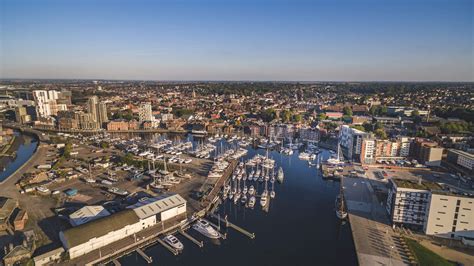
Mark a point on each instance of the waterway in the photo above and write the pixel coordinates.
(300, 227)
(27, 146)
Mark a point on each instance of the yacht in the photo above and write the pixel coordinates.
(340, 210)
(236, 197)
(280, 175)
(118, 191)
(243, 199)
(245, 190)
(304, 156)
(272, 194)
(263, 199)
(206, 229)
(252, 201)
(251, 190)
(173, 242)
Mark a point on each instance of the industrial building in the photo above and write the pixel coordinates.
(87, 214)
(98, 233)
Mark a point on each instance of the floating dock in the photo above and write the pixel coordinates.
(237, 228)
(145, 256)
(192, 239)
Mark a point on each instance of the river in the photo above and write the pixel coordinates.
(300, 228)
(27, 146)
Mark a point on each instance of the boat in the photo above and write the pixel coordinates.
(203, 227)
(263, 199)
(173, 242)
(118, 191)
(236, 197)
(251, 190)
(245, 190)
(280, 175)
(341, 212)
(304, 156)
(252, 201)
(243, 199)
(272, 194)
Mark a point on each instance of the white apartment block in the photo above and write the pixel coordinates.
(426, 207)
(450, 216)
(407, 203)
(46, 103)
(145, 113)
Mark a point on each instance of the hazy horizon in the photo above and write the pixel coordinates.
(280, 41)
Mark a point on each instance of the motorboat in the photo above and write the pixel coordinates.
(251, 190)
(203, 227)
(272, 194)
(173, 242)
(236, 197)
(280, 175)
(243, 199)
(263, 199)
(118, 191)
(245, 190)
(252, 201)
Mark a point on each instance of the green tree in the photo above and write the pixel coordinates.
(286, 115)
(373, 110)
(322, 116)
(380, 133)
(347, 111)
(297, 118)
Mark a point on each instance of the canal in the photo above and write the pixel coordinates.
(300, 227)
(26, 146)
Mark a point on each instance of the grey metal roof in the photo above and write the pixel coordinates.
(147, 207)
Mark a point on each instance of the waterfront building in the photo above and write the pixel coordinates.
(87, 214)
(350, 140)
(424, 206)
(408, 202)
(461, 158)
(101, 232)
(450, 216)
(7, 206)
(309, 134)
(21, 115)
(117, 125)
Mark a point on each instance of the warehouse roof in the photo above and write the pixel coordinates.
(100, 227)
(147, 207)
(87, 214)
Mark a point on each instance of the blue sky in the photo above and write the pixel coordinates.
(410, 40)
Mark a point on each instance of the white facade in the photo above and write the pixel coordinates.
(145, 113)
(351, 140)
(450, 216)
(46, 102)
(110, 237)
(87, 214)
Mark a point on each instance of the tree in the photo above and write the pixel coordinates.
(359, 127)
(297, 118)
(347, 111)
(268, 115)
(286, 115)
(322, 116)
(380, 133)
(373, 110)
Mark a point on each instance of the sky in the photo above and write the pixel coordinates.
(319, 40)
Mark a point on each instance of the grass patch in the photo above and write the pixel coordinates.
(426, 256)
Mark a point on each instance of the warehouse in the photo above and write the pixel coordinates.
(98, 233)
(162, 208)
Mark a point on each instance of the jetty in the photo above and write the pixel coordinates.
(231, 225)
(144, 256)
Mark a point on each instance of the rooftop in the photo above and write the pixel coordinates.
(147, 207)
(424, 185)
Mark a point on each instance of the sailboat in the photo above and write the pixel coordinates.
(336, 160)
(341, 212)
(263, 199)
(272, 193)
(252, 201)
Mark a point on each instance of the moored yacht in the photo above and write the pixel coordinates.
(206, 229)
(173, 242)
(252, 201)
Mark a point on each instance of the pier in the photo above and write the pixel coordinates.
(192, 239)
(237, 228)
(116, 263)
(145, 256)
(168, 247)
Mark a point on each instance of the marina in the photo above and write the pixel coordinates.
(257, 221)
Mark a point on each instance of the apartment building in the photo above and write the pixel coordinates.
(426, 207)
(461, 158)
(426, 152)
(145, 113)
(450, 216)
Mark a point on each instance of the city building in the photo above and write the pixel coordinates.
(98, 233)
(350, 140)
(98, 111)
(408, 202)
(145, 112)
(461, 158)
(21, 115)
(450, 216)
(309, 134)
(7, 206)
(426, 152)
(46, 102)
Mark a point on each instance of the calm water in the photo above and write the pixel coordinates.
(27, 147)
(299, 229)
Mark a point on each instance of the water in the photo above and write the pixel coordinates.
(25, 150)
(300, 228)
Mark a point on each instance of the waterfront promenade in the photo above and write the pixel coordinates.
(375, 241)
